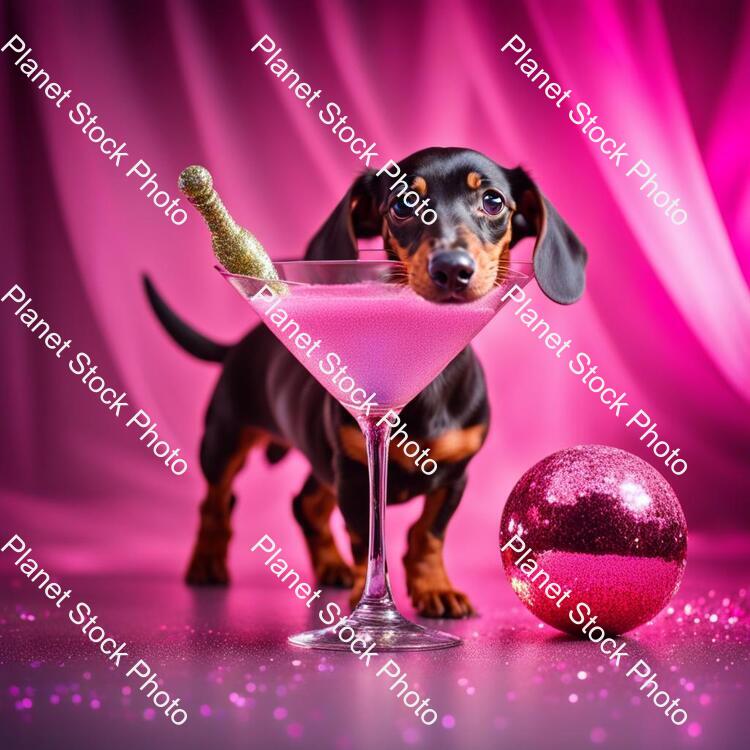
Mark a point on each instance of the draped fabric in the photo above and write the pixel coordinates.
(666, 313)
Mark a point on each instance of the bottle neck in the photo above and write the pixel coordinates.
(216, 215)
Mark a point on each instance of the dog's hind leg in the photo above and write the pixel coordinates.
(223, 454)
(312, 508)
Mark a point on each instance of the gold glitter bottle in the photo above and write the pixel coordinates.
(236, 249)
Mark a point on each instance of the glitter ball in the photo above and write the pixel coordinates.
(448, 721)
(581, 675)
(205, 710)
(694, 729)
(279, 713)
(602, 523)
(95, 704)
(573, 698)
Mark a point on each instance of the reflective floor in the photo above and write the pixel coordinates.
(223, 653)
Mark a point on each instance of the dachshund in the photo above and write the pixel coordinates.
(483, 210)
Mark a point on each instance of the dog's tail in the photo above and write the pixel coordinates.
(191, 341)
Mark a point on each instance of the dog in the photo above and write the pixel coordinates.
(483, 210)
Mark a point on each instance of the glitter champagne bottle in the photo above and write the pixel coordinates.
(236, 249)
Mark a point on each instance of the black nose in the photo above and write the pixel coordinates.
(451, 270)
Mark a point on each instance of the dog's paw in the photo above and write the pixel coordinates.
(334, 573)
(357, 588)
(207, 570)
(330, 568)
(441, 602)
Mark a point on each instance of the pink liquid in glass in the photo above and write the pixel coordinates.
(392, 341)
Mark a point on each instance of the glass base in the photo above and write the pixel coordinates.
(380, 622)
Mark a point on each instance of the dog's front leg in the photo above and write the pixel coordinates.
(429, 587)
(312, 508)
(353, 493)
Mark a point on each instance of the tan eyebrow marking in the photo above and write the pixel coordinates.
(474, 180)
(420, 185)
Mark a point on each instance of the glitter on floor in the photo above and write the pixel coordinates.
(223, 653)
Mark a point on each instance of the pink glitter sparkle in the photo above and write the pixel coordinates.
(410, 736)
(598, 735)
(294, 730)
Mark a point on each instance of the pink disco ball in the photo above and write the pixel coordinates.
(598, 522)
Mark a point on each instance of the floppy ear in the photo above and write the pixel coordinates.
(355, 216)
(559, 256)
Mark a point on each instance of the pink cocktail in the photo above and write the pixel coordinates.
(373, 344)
(377, 337)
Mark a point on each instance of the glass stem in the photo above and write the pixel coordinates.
(377, 588)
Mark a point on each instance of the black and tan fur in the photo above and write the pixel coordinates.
(459, 257)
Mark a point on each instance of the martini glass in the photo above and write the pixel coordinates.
(392, 343)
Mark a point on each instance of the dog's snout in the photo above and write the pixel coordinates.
(451, 270)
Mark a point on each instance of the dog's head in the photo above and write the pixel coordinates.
(482, 210)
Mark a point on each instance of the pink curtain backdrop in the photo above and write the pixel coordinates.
(666, 314)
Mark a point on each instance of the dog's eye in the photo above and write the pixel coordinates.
(400, 211)
(492, 202)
